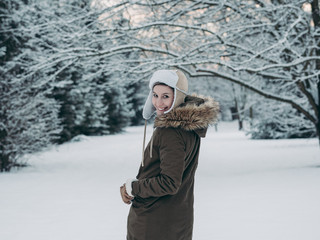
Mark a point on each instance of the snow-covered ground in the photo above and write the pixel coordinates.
(245, 189)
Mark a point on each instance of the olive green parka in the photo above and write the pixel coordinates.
(162, 208)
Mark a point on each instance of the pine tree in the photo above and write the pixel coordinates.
(28, 118)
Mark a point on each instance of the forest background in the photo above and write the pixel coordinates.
(80, 67)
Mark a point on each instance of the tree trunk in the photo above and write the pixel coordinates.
(236, 105)
(318, 107)
(316, 21)
(4, 163)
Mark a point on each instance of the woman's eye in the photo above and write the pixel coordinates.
(155, 95)
(165, 96)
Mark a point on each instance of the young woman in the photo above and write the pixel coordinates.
(162, 193)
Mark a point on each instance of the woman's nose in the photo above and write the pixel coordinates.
(159, 101)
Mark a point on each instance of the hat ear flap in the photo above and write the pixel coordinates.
(182, 82)
(180, 96)
(148, 109)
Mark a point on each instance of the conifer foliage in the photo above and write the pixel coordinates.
(28, 116)
(76, 67)
(46, 99)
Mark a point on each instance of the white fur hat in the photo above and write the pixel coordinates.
(173, 78)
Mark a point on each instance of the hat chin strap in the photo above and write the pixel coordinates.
(144, 142)
(175, 98)
(182, 91)
(174, 101)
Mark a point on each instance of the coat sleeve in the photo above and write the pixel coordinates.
(172, 164)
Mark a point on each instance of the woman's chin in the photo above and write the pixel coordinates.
(159, 113)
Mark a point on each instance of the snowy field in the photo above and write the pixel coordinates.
(245, 189)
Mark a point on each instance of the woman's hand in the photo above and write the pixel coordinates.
(125, 197)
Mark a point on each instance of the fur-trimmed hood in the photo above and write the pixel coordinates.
(195, 114)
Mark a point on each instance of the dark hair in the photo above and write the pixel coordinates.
(162, 84)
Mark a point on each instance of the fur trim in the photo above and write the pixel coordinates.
(197, 112)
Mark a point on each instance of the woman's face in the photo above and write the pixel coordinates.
(162, 98)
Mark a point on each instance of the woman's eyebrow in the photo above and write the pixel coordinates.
(162, 93)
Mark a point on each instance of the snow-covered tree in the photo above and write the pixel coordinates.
(270, 47)
(274, 121)
(40, 94)
(29, 122)
(88, 88)
(28, 118)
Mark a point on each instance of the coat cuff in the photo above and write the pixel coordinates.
(129, 186)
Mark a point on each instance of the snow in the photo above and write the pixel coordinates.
(245, 189)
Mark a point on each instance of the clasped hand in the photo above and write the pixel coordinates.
(124, 195)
